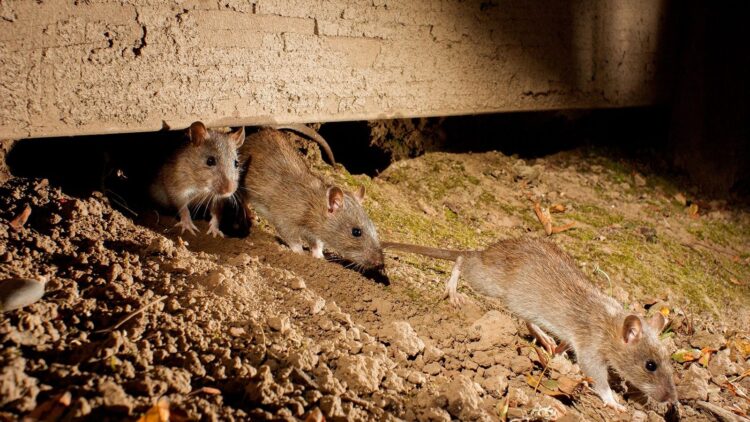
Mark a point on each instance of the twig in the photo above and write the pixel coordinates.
(544, 218)
(131, 315)
(609, 280)
(563, 228)
(18, 222)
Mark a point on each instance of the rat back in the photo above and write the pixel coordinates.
(541, 284)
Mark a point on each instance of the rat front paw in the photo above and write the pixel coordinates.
(214, 231)
(187, 225)
(616, 406)
(456, 299)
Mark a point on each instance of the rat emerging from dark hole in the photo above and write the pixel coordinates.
(201, 173)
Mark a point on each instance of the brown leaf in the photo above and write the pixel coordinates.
(548, 387)
(557, 208)
(693, 210)
(706, 353)
(158, 412)
(315, 416)
(18, 222)
(736, 282)
(568, 385)
(563, 228)
(543, 215)
(52, 409)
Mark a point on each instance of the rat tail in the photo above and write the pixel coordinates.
(311, 134)
(447, 254)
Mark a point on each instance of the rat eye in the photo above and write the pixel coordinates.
(236, 164)
(650, 366)
(356, 232)
(211, 161)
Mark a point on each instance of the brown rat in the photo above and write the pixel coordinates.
(302, 207)
(201, 173)
(541, 284)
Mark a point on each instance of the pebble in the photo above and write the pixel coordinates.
(401, 335)
(694, 384)
(279, 323)
(16, 293)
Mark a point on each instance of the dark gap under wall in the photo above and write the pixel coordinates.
(123, 165)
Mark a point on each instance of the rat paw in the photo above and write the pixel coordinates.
(188, 225)
(456, 299)
(616, 406)
(214, 231)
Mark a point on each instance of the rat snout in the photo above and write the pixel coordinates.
(226, 187)
(667, 393)
(377, 260)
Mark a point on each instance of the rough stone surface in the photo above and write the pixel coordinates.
(463, 397)
(72, 68)
(694, 384)
(401, 335)
(362, 373)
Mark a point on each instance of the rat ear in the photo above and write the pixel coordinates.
(360, 194)
(238, 136)
(335, 199)
(631, 329)
(197, 133)
(657, 322)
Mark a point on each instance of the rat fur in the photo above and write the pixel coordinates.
(202, 172)
(541, 284)
(303, 208)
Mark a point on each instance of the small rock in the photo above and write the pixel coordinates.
(361, 373)
(560, 364)
(432, 354)
(435, 414)
(401, 335)
(416, 378)
(16, 293)
(236, 331)
(639, 416)
(463, 397)
(298, 284)
(521, 364)
(721, 364)
(432, 368)
(115, 398)
(316, 305)
(694, 384)
(495, 328)
(279, 323)
(703, 339)
(239, 260)
(331, 407)
(495, 385)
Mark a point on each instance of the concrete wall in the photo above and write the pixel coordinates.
(100, 66)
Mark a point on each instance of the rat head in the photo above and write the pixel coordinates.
(212, 159)
(348, 230)
(642, 360)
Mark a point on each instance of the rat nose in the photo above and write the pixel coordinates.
(226, 187)
(669, 394)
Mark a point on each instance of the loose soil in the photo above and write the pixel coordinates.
(242, 328)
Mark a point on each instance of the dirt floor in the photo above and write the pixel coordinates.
(242, 328)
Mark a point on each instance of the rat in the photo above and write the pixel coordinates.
(540, 283)
(303, 208)
(203, 172)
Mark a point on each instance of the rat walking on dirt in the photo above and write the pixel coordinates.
(541, 284)
(202, 172)
(303, 208)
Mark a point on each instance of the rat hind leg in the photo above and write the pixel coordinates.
(451, 285)
(542, 338)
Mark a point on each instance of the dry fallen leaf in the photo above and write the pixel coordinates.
(315, 416)
(18, 222)
(692, 210)
(686, 355)
(158, 412)
(736, 282)
(568, 385)
(557, 208)
(706, 353)
(664, 311)
(549, 387)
